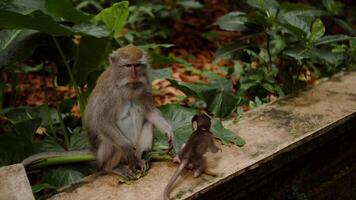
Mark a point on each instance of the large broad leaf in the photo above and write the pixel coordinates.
(323, 54)
(198, 90)
(217, 95)
(91, 51)
(65, 9)
(40, 21)
(65, 175)
(114, 17)
(180, 119)
(79, 140)
(270, 6)
(165, 73)
(17, 45)
(223, 104)
(298, 20)
(225, 135)
(36, 20)
(233, 21)
(18, 143)
(23, 6)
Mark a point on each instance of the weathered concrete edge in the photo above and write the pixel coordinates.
(297, 142)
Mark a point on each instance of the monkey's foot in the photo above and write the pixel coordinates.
(198, 172)
(176, 159)
(142, 165)
(124, 171)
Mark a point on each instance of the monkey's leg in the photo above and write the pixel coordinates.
(144, 144)
(200, 166)
(111, 160)
(104, 156)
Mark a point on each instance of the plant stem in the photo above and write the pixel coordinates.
(74, 83)
(269, 48)
(59, 114)
(60, 160)
(2, 92)
(46, 103)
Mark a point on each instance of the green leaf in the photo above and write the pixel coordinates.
(270, 6)
(165, 73)
(91, 51)
(18, 143)
(114, 17)
(36, 20)
(39, 187)
(332, 6)
(323, 54)
(233, 21)
(332, 39)
(17, 45)
(317, 30)
(225, 135)
(40, 21)
(229, 50)
(65, 175)
(198, 90)
(180, 118)
(79, 140)
(159, 59)
(65, 9)
(23, 6)
(190, 4)
(223, 104)
(268, 87)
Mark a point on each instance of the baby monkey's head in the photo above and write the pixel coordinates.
(201, 122)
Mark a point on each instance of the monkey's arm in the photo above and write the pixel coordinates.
(155, 117)
(212, 145)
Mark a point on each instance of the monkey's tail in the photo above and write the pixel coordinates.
(178, 171)
(36, 157)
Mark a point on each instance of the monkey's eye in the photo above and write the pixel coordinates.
(139, 65)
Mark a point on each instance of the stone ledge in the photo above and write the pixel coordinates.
(14, 184)
(277, 135)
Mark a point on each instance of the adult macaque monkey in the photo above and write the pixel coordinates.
(191, 155)
(120, 114)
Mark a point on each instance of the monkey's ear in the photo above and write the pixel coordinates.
(112, 59)
(195, 125)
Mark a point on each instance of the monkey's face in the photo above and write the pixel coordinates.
(136, 74)
(130, 67)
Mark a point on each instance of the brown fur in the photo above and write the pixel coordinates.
(192, 153)
(116, 88)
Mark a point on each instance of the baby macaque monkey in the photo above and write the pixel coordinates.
(191, 156)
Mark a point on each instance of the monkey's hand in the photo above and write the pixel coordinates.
(170, 139)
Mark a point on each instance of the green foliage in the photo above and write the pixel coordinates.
(294, 35)
(180, 118)
(114, 17)
(217, 95)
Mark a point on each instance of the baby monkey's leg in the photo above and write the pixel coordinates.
(199, 166)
